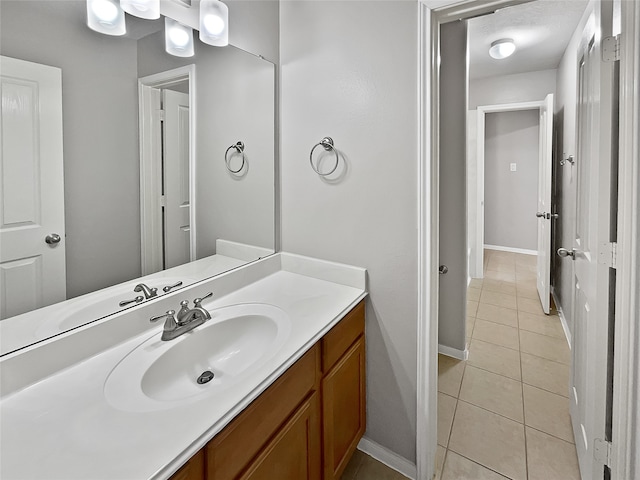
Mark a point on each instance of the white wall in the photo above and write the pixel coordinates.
(349, 71)
(511, 198)
(520, 87)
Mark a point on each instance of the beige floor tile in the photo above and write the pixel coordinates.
(490, 440)
(371, 469)
(547, 412)
(543, 324)
(446, 409)
(353, 466)
(457, 467)
(527, 281)
(531, 260)
(495, 333)
(502, 276)
(508, 288)
(530, 305)
(450, 372)
(524, 291)
(545, 374)
(501, 267)
(499, 299)
(473, 294)
(472, 308)
(498, 394)
(471, 321)
(522, 269)
(441, 453)
(550, 458)
(476, 283)
(496, 314)
(496, 359)
(551, 348)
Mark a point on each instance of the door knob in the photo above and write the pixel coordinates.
(563, 252)
(443, 269)
(552, 215)
(52, 238)
(541, 214)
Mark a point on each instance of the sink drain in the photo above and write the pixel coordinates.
(205, 377)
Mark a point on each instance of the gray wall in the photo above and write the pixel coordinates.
(453, 186)
(349, 70)
(235, 101)
(100, 145)
(520, 87)
(511, 198)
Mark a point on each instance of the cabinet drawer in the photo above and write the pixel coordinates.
(341, 337)
(192, 470)
(233, 448)
(295, 452)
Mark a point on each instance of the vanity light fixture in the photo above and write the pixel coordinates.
(502, 48)
(149, 9)
(214, 23)
(178, 38)
(106, 16)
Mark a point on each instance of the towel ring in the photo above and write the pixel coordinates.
(239, 146)
(327, 144)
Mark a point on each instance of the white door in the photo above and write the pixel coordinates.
(32, 272)
(591, 249)
(176, 178)
(544, 202)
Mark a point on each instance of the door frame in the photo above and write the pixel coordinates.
(151, 233)
(627, 361)
(482, 111)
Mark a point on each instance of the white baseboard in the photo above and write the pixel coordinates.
(523, 251)
(389, 458)
(563, 319)
(453, 352)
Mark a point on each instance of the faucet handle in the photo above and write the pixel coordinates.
(170, 313)
(198, 301)
(138, 299)
(154, 292)
(168, 288)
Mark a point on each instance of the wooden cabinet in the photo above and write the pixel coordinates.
(304, 426)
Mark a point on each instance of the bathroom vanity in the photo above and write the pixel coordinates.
(286, 398)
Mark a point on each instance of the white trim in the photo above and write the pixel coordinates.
(149, 170)
(626, 391)
(453, 352)
(389, 458)
(563, 319)
(500, 248)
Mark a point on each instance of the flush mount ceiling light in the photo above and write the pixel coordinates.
(178, 38)
(105, 16)
(214, 23)
(502, 48)
(149, 9)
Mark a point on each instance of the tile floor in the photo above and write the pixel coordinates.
(503, 414)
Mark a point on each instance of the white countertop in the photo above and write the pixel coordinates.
(61, 426)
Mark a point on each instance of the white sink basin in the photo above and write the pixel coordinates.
(159, 375)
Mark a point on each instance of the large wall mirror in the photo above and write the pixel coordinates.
(145, 197)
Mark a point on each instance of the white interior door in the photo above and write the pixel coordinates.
(32, 271)
(544, 202)
(176, 178)
(590, 251)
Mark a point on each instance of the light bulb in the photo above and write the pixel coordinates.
(178, 38)
(213, 24)
(106, 16)
(502, 48)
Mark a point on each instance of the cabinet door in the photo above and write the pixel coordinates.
(295, 452)
(192, 470)
(343, 410)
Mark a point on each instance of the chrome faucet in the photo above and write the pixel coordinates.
(186, 320)
(148, 292)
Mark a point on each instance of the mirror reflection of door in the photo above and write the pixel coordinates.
(175, 173)
(32, 250)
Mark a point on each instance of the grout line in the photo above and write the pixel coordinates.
(491, 411)
(478, 463)
(551, 435)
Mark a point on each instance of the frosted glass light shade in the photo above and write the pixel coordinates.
(178, 38)
(149, 9)
(502, 48)
(106, 16)
(214, 23)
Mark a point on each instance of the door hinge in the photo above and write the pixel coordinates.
(163, 201)
(161, 115)
(609, 255)
(602, 451)
(611, 49)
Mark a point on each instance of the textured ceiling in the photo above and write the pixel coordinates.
(540, 29)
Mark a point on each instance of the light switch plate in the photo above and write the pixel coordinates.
(513, 167)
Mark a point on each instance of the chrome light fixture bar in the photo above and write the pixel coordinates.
(502, 48)
(106, 16)
(178, 38)
(149, 9)
(214, 23)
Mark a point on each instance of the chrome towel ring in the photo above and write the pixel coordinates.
(327, 144)
(239, 146)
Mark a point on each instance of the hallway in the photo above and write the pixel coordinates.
(505, 412)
